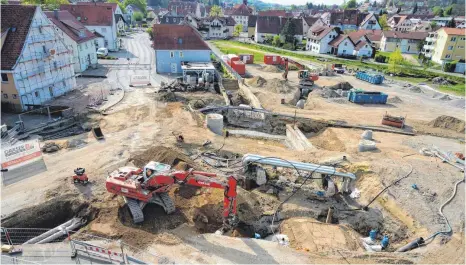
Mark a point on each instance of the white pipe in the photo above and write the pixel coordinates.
(252, 158)
(48, 233)
(77, 222)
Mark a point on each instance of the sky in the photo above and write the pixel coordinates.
(302, 2)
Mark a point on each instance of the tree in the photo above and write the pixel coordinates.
(120, 4)
(437, 11)
(138, 16)
(383, 22)
(447, 12)
(288, 31)
(433, 24)
(215, 11)
(420, 45)
(276, 41)
(451, 23)
(415, 8)
(395, 59)
(4, 2)
(293, 7)
(238, 29)
(141, 4)
(47, 4)
(350, 4)
(151, 34)
(216, 2)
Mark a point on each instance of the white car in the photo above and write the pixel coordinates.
(102, 52)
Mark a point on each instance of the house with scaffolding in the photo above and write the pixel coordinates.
(36, 65)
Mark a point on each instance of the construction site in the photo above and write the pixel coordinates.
(277, 164)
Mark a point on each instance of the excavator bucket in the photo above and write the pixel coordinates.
(97, 132)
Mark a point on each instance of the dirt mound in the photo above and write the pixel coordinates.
(279, 86)
(329, 93)
(342, 86)
(441, 81)
(458, 103)
(448, 122)
(164, 155)
(256, 81)
(445, 98)
(310, 235)
(395, 100)
(169, 97)
(328, 140)
(271, 69)
(416, 89)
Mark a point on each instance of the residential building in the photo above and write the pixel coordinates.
(36, 65)
(171, 19)
(241, 15)
(194, 21)
(76, 38)
(318, 38)
(131, 9)
(309, 22)
(274, 13)
(252, 20)
(400, 23)
(341, 46)
(271, 26)
(407, 42)
(97, 18)
(121, 23)
(449, 45)
(182, 8)
(345, 19)
(370, 22)
(362, 43)
(423, 26)
(176, 44)
(221, 27)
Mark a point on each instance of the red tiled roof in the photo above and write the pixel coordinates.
(371, 34)
(310, 20)
(17, 20)
(182, 8)
(335, 42)
(91, 15)
(360, 45)
(453, 31)
(405, 35)
(356, 35)
(166, 37)
(345, 17)
(278, 13)
(70, 26)
(112, 5)
(318, 33)
(242, 10)
(274, 25)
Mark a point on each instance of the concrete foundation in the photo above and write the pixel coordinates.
(296, 138)
(215, 123)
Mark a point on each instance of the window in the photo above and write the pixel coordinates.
(36, 94)
(51, 91)
(104, 30)
(448, 56)
(5, 95)
(172, 54)
(14, 96)
(4, 78)
(55, 64)
(453, 39)
(460, 47)
(346, 44)
(450, 48)
(44, 49)
(80, 47)
(463, 38)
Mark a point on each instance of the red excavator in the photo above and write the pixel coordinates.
(305, 78)
(151, 185)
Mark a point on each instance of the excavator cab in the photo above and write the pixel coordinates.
(154, 167)
(303, 74)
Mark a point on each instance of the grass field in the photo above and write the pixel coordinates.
(259, 51)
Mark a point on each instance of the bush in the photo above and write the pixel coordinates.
(288, 46)
(449, 67)
(380, 58)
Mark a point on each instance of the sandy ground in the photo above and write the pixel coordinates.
(141, 122)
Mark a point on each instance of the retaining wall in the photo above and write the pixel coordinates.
(297, 139)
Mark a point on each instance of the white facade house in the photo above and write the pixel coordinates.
(309, 22)
(34, 56)
(221, 27)
(98, 19)
(241, 16)
(370, 22)
(318, 39)
(76, 38)
(363, 49)
(341, 46)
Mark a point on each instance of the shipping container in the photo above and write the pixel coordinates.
(272, 59)
(232, 58)
(247, 58)
(366, 97)
(372, 78)
(239, 67)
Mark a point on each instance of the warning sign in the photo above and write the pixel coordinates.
(140, 80)
(20, 154)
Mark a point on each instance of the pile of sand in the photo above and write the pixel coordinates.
(445, 98)
(279, 86)
(329, 93)
(394, 99)
(256, 81)
(271, 69)
(416, 89)
(164, 155)
(342, 86)
(328, 140)
(449, 123)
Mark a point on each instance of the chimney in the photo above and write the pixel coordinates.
(55, 13)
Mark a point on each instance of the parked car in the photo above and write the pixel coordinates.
(102, 52)
(338, 68)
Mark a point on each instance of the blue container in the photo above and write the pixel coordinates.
(372, 78)
(385, 242)
(373, 234)
(365, 97)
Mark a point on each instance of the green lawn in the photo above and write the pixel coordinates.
(259, 51)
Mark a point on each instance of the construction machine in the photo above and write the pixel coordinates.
(80, 176)
(152, 183)
(305, 77)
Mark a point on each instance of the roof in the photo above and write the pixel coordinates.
(112, 5)
(356, 35)
(318, 33)
(274, 25)
(252, 21)
(174, 20)
(405, 35)
(360, 45)
(310, 20)
(277, 13)
(70, 26)
(367, 18)
(135, 8)
(118, 16)
(453, 31)
(228, 21)
(16, 18)
(177, 37)
(345, 17)
(182, 8)
(335, 42)
(242, 10)
(91, 15)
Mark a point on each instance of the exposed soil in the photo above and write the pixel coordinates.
(394, 100)
(163, 155)
(256, 81)
(448, 122)
(271, 69)
(328, 140)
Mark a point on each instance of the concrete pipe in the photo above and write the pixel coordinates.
(48, 233)
(215, 123)
(77, 222)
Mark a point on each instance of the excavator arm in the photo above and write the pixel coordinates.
(287, 61)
